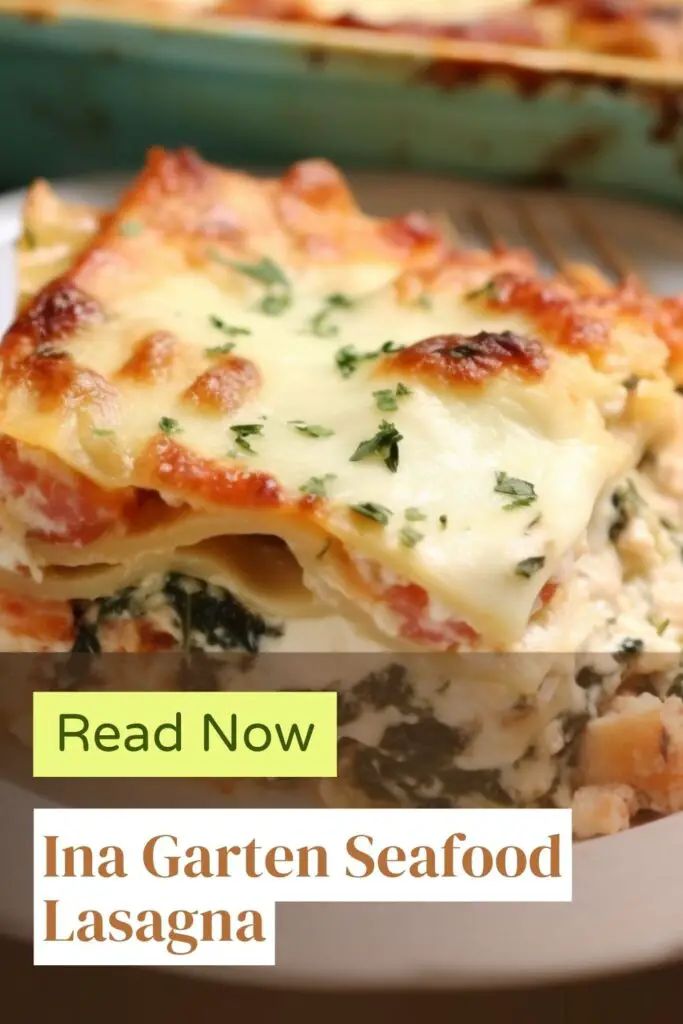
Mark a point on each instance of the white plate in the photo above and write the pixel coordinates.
(628, 889)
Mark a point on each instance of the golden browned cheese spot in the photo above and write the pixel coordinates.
(459, 271)
(412, 231)
(180, 170)
(629, 28)
(224, 387)
(669, 323)
(316, 208)
(469, 359)
(174, 194)
(56, 313)
(580, 314)
(572, 319)
(174, 467)
(152, 358)
(53, 378)
(319, 184)
(196, 195)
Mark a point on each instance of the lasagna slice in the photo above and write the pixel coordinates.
(241, 414)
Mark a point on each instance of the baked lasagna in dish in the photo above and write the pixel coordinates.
(651, 29)
(241, 414)
(627, 28)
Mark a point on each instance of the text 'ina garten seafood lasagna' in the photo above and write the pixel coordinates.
(240, 414)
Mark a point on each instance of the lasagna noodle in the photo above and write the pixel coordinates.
(135, 335)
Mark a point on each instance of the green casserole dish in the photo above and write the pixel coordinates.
(88, 90)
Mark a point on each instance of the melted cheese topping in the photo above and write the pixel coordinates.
(121, 372)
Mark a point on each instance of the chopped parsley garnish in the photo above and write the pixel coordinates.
(266, 272)
(275, 303)
(102, 432)
(661, 627)
(348, 357)
(443, 521)
(130, 228)
(244, 430)
(317, 485)
(220, 350)
(625, 502)
(529, 566)
(371, 510)
(387, 398)
(629, 648)
(229, 329)
(311, 429)
(487, 291)
(384, 443)
(414, 515)
(522, 492)
(409, 536)
(320, 324)
(169, 426)
(340, 301)
(631, 382)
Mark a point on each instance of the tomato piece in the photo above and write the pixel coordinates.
(410, 603)
(77, 510)
(152, 358)
(47, 622)
(548, 592)
(225, 387)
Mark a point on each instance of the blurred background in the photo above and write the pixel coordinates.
(570, 96)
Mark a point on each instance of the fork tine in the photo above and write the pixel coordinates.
(448, 225)
(612, 257)
(556, 249)
(484, 226)
(534, 234)
(543, 240)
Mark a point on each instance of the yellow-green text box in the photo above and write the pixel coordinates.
(193, 735)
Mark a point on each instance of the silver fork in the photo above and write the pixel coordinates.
(518, 221)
